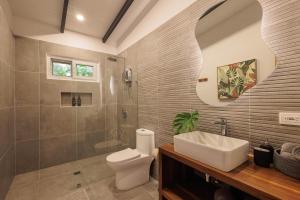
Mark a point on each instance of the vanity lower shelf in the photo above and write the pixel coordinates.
(262, 183)
(191, 190)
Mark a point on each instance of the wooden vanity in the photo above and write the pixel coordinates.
(182, 178)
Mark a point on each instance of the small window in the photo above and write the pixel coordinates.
(69, 69)
(84, 70)
(61, 68)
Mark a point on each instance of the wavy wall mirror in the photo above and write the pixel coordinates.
(235, 56)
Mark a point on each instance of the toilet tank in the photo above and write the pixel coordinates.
(145, 141)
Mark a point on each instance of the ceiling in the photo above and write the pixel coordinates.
(98, 14)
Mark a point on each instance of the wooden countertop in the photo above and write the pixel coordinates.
(263, 183)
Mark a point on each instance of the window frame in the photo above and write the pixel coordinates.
(73, 62)
(63, 61)
(90, 64)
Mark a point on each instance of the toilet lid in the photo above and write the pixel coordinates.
(124, 155)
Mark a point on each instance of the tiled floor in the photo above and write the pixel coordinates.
(95, 182)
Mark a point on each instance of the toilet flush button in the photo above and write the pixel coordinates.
(289, 118)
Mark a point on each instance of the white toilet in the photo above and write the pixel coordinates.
(132, 166)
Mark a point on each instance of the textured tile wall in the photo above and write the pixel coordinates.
(7, 133)
(168, 62)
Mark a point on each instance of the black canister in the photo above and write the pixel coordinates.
(267, 146)
(262, 157)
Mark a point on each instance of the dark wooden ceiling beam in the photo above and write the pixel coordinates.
(117, 19)
(64, 16)
(212, 8)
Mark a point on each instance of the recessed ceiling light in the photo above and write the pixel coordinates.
(80, 17)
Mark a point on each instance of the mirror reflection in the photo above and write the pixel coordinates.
(235, 56)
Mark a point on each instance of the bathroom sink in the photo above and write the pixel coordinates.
(221, 152)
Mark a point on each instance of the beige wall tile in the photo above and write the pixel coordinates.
(58, 150)
(114, 68)
(12, 127)
(128, 135)
(111, 118)
(12, 88)
(132, 118)
(6, 174)
(111, 91)
(57, 121)
(6, 40)
(5, 135)
(90, 119)
(86, 144)
(91, 56)
(27, 54)
(27, 156)
(27, 123)
(128, 93)
(26, 88)
(4, 85)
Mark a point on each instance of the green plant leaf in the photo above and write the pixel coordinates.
(185, 122)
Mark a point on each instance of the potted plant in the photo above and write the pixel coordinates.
(185, 122)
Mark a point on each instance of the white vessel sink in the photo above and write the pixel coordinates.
(221, 152)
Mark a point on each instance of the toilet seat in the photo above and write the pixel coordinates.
(123, 156)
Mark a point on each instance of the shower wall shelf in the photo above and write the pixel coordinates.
(85, 97)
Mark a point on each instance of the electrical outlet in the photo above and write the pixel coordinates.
(289, 118)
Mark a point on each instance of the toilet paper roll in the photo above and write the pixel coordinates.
(288, 147)
(296, 152)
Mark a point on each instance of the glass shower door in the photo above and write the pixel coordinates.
(113, 79)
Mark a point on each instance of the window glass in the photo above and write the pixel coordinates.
(71, 69)
(61, 68)
(84, 70)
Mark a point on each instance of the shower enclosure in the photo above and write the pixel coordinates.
(75, 132)
(104, 122)
(65, 127)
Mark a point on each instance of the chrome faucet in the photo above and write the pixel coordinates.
(224, 127)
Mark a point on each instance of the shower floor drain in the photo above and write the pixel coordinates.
(77, 173)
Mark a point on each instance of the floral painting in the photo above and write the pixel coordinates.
(235, 79)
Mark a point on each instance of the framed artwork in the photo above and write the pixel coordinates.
(234, 79)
